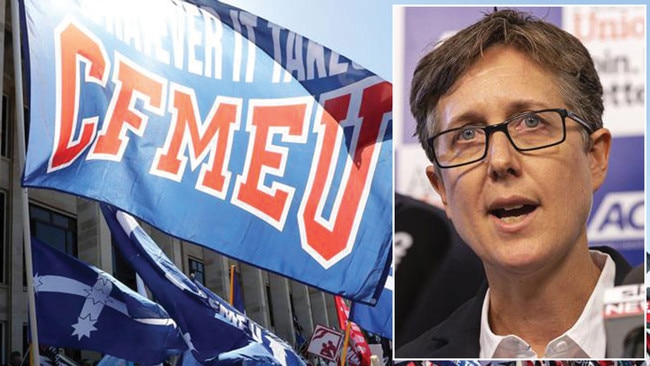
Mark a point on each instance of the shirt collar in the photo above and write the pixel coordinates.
(586, 338)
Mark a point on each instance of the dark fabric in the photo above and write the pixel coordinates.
(458, 335)
(423, 297)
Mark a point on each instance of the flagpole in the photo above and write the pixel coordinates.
(232, 285)
(345, 343)
(27, 237)
(140, 286)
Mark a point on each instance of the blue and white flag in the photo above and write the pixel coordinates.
(236, 299)
(82, 307)
(378, 318)
(214, 331)
(109, 360)
(270, 148)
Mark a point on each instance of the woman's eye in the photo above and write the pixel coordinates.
(531, 121)
(467, 134)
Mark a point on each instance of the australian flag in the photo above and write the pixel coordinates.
(83, 307)
(215, 332)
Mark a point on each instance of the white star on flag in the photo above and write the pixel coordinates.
(100, 293)
(38, 282)
(97, 298)
(83, 327)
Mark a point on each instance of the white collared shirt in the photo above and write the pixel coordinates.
(585, 339)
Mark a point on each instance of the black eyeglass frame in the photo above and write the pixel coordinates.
(503, 127)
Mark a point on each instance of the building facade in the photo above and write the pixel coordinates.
(75, 225)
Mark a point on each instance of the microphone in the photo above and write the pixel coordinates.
(624, 317)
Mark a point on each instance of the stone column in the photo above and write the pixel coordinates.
(254, 289)
(93, 236)
(282, 314)
(332, 314)
(303, 308)
(318, 307)
(217, 276)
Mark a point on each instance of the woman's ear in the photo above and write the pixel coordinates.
(601, 141)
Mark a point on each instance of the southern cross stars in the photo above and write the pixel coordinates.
(98, 297)
(101, 292)
(83, 327)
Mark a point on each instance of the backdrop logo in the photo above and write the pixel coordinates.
(620, 216)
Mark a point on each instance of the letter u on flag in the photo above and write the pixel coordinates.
(215, 332)
(80, 306)
(259, 140)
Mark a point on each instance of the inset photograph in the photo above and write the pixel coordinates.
(519, 162)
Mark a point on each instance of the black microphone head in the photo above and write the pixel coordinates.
(624, 316)
(635, 276)
(633, 345)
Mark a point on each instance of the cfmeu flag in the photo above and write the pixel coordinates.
(214, 331)
(378, 318)
(268, 142)
(80, 306)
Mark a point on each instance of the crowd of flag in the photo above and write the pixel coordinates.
(82, 307)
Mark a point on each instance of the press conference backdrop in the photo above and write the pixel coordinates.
(615, 36)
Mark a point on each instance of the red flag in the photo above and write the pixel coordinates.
(358, 351)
